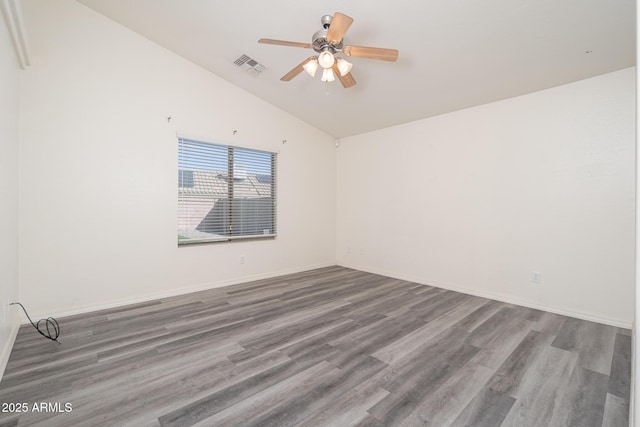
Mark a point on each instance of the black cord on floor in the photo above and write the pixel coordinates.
(53, 329)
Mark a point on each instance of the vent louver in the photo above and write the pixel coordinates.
(250, 65)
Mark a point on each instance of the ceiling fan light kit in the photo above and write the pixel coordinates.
(328, 42)
(327, 75)
(344, 66)
(326, 59)
(311, 67)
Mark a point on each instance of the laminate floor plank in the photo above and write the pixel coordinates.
(616, 412)
(488, 409)
(324, 395)
(443, 406)
(527, 313)
(495, 352)
(624, 331)
(331, 335)
(492, 327)
(508, 378)
(403, 346)
(543, 386)
(262, 402)
(582, 405)
(406, 397)
(382, 305)
(326, 347)
(241, 391)
(593, 341)
(367, 343)
(438, 305)
(619, 380)
(550, 323)
(349, 409)
(422, 375)
(479, 316)
(201, 385)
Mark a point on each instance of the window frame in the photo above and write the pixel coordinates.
(230, 217)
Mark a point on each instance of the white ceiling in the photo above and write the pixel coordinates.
(453, 53)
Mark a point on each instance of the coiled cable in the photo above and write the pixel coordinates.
(52, 331)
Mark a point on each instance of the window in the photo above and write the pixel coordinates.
(224, 192)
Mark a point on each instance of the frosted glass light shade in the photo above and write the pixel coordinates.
(327, 75)
(311, 67)
(344, 66)
(326, 59)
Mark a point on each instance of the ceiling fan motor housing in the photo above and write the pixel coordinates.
(319, 39)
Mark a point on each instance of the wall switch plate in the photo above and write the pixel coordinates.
(242, 260)
(536, 277)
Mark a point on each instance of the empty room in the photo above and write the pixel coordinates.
(326, 213)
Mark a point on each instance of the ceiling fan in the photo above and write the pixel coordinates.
(327, 42)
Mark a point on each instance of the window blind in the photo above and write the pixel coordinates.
(224, 192)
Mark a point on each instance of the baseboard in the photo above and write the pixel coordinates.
(6, 351)
(175, 292)
(498, 297)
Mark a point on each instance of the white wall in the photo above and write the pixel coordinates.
(9, 103)
(478, 199)
(99, 169)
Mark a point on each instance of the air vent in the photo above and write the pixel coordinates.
(250, 65)
(242, 60)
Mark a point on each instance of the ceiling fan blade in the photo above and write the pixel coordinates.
(371, 53)
(347, 80)
(296, 70)
(285, 43)
(339, 25)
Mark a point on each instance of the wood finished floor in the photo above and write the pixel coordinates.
(329, 347)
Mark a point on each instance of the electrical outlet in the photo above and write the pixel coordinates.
(242, 260)
(536, 277)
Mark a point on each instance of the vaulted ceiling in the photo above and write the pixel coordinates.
(453, 54)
